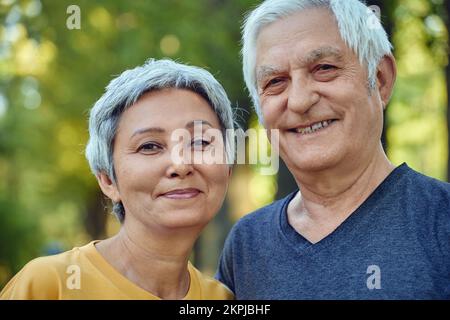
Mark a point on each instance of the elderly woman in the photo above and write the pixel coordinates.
(161, 202)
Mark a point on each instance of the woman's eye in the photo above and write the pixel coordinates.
(149, 147)
(200, 143)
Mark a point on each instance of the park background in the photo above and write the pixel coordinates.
(51, 75)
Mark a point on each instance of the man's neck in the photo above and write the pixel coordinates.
(157, 266)
(326, 199)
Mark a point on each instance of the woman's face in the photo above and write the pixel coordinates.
(155, 188)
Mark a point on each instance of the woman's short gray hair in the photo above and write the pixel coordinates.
(358, 27)
(125, 90)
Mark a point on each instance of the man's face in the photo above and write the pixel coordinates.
(313, 89)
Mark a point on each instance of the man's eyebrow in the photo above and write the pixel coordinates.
(313, 56)
(265, 72)
(192, 124)
(147, 130)
(320, 53)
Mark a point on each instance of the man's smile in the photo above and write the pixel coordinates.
(313, 127)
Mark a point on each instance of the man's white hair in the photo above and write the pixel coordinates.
(356, 26)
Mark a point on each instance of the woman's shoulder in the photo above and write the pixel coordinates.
(208, 287)
(42, 278)
(60, 263)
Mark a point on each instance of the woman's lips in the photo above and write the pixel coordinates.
(182, 193)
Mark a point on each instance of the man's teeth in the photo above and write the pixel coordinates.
(315, 127)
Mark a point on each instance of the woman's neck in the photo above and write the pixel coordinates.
(157, 265)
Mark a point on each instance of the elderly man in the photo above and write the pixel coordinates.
(321, 72)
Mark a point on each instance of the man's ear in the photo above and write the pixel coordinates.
(108, 187)
(230, 172)
(386, 75)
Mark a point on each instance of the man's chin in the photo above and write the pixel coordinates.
(311, 163)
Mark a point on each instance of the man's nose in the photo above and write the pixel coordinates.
(302, 95)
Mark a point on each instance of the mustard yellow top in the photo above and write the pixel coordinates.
(83, 274)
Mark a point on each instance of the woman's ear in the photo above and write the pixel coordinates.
(108, 187)
(386, 75)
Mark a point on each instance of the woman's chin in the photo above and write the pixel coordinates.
(185, 219)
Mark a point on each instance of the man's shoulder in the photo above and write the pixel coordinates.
(424, 203)
(427, 186)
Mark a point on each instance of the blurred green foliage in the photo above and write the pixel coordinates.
(417, 127)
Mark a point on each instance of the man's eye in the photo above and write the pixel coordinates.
(149, 147)
(325, 72)
(325, 67)
(272, 82)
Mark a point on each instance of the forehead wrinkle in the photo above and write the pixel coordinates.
(192, 124)
(311, 57)
(320, 53)
(155, 130)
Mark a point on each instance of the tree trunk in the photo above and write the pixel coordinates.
(285, 181)
(95, 219)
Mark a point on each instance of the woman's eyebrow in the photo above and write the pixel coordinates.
(192, 124)
(147, 130)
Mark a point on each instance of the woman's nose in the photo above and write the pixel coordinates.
(179, 170)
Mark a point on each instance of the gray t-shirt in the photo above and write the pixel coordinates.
(396, 245)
